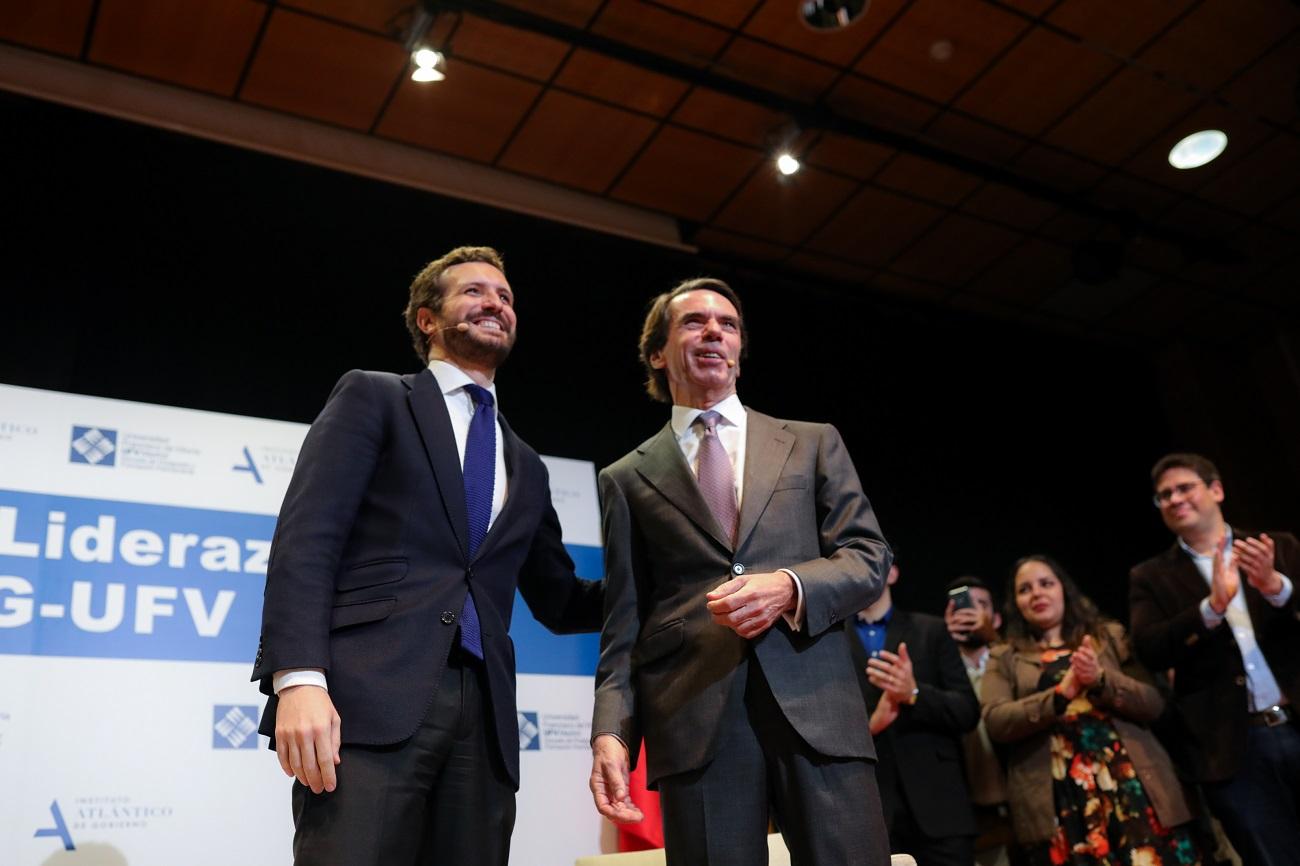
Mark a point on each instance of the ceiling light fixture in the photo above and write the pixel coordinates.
(429, 65)
(786, 163)
(1198, 148)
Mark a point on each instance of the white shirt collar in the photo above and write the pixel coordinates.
(731, 410)
(452, 378)
(1227, 531)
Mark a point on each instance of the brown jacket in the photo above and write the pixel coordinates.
(1018, 713)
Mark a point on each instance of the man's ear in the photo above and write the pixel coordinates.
(657, 361)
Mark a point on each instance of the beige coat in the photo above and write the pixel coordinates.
(1018, 713)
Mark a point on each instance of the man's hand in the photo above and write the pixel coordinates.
(884, 715)
(308, 737)
(1255, 556)
(967, 621)
(751, 603)
(1225, 580)
(1085, 665)
(609, 774)
(892, 674)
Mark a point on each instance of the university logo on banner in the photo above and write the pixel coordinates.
(530, 733)
(234, 727)
(94, 445)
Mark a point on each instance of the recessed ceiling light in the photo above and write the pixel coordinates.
(787, 164)
(1198, 148)
(941, 50)
(429, 65)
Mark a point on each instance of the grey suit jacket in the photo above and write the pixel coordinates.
(666, 669)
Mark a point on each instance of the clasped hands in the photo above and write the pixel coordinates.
(1085, 670)
(751, 603)
(892, 674)
(1255, 557)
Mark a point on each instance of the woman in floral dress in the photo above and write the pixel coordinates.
(1089, 783)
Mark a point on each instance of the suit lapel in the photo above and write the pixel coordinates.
(430, 412)
(767, 448)
(1190, 583)
(664, 468)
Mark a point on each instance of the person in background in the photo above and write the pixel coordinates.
(1088, 782)
(921, 704)
(973, 621)
(1218, 608)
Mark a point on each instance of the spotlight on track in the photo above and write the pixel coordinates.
(430, 65)
(1198, 148)
(786, 163)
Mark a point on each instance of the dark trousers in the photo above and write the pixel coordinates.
(905, 837)
(1260, 806)
(828, 809)
(440, 798)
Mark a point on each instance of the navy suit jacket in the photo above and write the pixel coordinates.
(369, 567)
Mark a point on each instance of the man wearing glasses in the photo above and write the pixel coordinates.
(1219, 610)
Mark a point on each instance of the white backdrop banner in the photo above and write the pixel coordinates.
(133, 548)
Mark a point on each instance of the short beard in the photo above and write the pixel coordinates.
(466, 345)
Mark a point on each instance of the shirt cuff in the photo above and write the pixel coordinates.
(795, 619)
(1283, 595)
(298, 677)
(1211, 619)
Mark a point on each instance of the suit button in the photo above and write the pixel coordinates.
(1239, 680)
(447, 617)
(738, 569)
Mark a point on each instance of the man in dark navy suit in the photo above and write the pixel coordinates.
(413, 514)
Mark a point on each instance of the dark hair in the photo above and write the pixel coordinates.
(1207, 471)
(427, 289)
(972, 582)
(1080, 617)
(654, 331)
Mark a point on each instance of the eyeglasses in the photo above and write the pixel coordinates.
(1164, 497)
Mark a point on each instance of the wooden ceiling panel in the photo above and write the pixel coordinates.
(1270, 87)
(716, 240)
(576, 142)
(955, 250)
(1152, 163)
(1156, 256)
(1031, 7)
(975, 32)
(827, 266)
(736, 119)
(1058, 170)
(784, 209)
(507, 48)
(778, 22)
(1070, 227)
(974, 138)
(1122, 192)
(1286, 215)
(880, 106)
(777, 71)
(1034, 270)
(472, 119)
(1121, 117)
(907, 287)
(50, 25)
(728, 13)
(1091, 303)
(1036, 82)
(310, 67)
(575, 13)
(1008, 206)
(1119, 28)
(874, 226)
(850, 156)
(383, 17)
(927, 179)
(685, 174)
(1219, 37)
(1270, 175)
(1201, 220)
(202, 44)
(1162, 309)
(621, 83)
(658, 30)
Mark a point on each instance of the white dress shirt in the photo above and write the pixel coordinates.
(1264, 690)
(732, 428)
(460, 408)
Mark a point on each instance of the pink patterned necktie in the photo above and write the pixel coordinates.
(716, 480)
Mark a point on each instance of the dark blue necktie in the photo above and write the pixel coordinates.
(480, 478)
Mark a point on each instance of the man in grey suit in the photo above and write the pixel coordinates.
(736, 546)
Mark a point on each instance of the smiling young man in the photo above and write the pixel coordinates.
(736, 546)
(413, 515)
(1219, 610)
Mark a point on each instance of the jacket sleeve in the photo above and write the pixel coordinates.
(334, 468)
(1127, 690)
(557, 597)
(947, 705)
(1007, 716)
(615, 704)
(850, 573)
(1163, 638)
